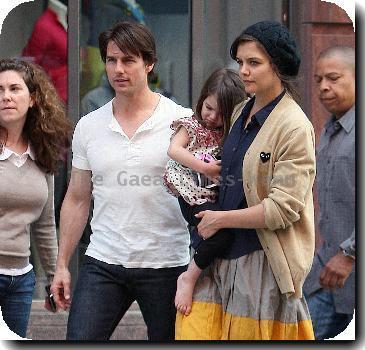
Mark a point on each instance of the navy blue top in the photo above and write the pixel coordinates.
(231, 194)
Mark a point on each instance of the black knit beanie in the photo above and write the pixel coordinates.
(278, 42)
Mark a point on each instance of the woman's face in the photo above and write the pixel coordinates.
(255, 68)
(15, 99)
(210, 113)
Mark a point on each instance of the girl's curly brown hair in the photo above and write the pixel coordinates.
(47, 128)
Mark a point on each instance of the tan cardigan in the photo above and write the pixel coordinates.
(283, 185)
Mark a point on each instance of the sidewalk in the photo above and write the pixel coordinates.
(44, 325)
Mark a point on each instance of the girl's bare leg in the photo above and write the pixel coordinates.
(185, 288)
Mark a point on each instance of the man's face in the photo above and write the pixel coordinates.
(335, 82)
(127, 73)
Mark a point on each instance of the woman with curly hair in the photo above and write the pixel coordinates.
(33, 133)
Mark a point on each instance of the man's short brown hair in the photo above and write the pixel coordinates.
(131, 38)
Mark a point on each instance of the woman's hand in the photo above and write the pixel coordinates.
(211, 222)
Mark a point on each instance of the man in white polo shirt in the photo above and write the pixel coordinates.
(139, 244)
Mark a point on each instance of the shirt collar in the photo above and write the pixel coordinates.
(246, 110)
(113, 123)
(7, 153)
(347, 121)
(146, 125)
(261, 115)
(60, 11)
(30, 152)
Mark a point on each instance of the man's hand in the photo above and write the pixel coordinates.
(60, 288)
(212, 170)
(335, 273)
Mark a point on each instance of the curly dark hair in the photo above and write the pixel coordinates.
(46, 127)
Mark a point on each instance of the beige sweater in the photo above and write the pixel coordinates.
(283, 184)
(26, 207)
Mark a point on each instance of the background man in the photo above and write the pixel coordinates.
(330, 286)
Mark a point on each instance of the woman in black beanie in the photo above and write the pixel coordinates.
(268, 167)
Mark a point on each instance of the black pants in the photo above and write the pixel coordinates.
(214, 247)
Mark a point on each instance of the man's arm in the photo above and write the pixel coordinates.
(74, 214)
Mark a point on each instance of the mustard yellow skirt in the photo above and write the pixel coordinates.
(239, 299)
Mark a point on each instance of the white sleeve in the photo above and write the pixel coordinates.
(182, 112)
(79, 155)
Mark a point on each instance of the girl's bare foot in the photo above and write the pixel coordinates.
(184, 293)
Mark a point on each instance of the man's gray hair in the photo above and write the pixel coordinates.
(345, 53)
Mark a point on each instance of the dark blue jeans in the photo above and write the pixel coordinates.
(16, 294)
(327, 323)
(104, 292)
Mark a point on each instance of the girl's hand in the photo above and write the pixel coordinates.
(212, 170)
(211, 222)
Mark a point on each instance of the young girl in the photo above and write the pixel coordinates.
(194, 149)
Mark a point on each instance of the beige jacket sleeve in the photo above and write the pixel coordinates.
(292, 174)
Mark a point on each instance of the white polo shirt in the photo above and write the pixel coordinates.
(136, 223)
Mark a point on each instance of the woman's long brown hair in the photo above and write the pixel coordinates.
(46, 127)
